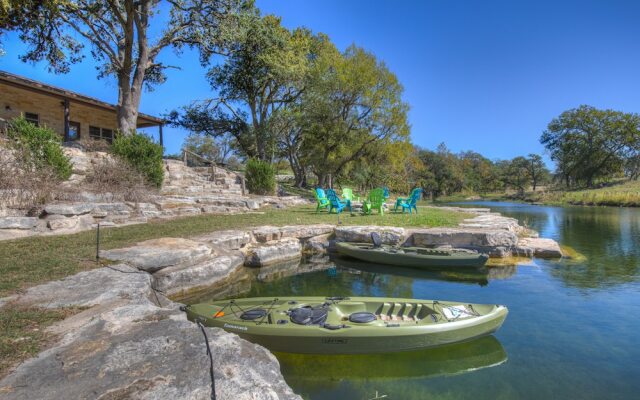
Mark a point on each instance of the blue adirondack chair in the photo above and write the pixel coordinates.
(401, 200)
(411, 202)
(321, 199)
(335, 203)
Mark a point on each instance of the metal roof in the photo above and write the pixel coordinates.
(144, 120)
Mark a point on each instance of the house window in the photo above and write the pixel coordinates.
(74, 130)
(33, 118)
(101, 133)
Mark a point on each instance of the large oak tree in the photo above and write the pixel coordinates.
(120, 37)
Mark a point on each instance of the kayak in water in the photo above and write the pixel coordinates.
(349, 325)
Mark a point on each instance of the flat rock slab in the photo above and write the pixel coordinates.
(229, 240)
(156, 254)
(69, 209)
(362, 234)
(493, 221)
(174, 280)
(273, 252)
(158, 354)
(495, 242)
(265, 234)
(18, 222)
(540, 247)
(85, 289)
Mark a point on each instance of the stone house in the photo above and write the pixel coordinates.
(71, 114)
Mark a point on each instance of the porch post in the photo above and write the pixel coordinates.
(160, 132)
(66, 119)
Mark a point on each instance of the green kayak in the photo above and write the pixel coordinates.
(331, 325)
(414, 257)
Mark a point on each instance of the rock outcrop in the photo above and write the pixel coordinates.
(126, 346)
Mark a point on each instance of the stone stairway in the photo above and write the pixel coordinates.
(199, 181)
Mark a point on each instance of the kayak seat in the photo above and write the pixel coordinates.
(376, 240)
(362, 317)
(254, 314)
(308, 315)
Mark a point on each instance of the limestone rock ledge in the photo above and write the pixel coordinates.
(126, 346)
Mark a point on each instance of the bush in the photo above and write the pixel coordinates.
(143, 154)
(260, 176)
(39, 147)
(118, 181)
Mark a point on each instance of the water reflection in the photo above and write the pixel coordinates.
(315, 370)
(607, 237)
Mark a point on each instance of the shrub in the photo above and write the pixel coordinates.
(39, 147)
(93, 144)
(260, 176)
(143, 154)
(118, 181)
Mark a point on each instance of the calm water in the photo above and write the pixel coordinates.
(573, 331)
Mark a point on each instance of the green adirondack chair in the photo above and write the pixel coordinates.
(401, 200)
(321, 199)
(374, 202)
(347, 194)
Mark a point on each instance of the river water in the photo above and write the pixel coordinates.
(573, 331)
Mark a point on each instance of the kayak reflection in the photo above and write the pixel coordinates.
(463, 275)
(448, 360)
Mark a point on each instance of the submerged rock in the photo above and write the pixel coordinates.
(539, 247)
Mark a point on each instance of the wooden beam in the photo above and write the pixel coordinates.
(65, 103)
(160, 132)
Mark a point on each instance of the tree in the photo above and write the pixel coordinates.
(538, 172)
(118, 32)
(208, 147)
(263, 74)
(515, 173)
(588, 143)
(351, 102)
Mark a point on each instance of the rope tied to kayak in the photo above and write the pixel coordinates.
(206, 342)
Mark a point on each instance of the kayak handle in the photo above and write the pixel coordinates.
(334, 327)
(336, 298)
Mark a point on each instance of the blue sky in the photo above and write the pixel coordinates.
(485, 75)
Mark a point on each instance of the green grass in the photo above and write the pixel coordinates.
(31, 261)
(620, 194)
(23, 334)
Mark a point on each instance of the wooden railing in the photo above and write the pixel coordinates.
(214, 167)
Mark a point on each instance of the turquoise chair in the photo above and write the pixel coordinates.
(401, 200)
(335, 203)
(321, 199)
(411, 202)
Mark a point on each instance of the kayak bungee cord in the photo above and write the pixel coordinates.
(206, 341)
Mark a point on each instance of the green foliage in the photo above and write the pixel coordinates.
(143, 154)
(590, 144)
(39, 147)
(260, 176)
(263, 74)
(351, 103)
(214, 149)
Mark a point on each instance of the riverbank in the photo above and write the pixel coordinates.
(178, 266)
(624, 194)
(32, 261)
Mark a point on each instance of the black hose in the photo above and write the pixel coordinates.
(206, 341)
